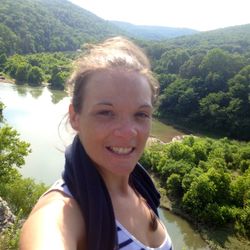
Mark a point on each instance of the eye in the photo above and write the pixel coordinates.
(105, 113)
(143, 115)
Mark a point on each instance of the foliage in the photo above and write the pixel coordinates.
(22, 194)
(35, 76)
(204, 80)
(33, 26)
(22, 71)
(36, 68)
(58, 77)
(209, 178)
(12, 153)
(3, 59)
(1, 111)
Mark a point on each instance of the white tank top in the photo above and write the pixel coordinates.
(126, 241)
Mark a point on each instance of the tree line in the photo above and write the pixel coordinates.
(34, 69)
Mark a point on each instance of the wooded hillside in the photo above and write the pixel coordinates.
(30, 26)
(205, 80)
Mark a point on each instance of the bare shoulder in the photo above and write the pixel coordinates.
(54, 223)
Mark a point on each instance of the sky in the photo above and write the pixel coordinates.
(200, 15)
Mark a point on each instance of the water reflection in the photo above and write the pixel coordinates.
(37, 118)
(57, 96)
(181, 232)
(36, 92)
(20, 90)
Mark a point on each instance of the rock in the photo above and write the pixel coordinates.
(7, 218)
(178, 138)
(152, 140)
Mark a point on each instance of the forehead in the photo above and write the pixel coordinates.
(118, 85)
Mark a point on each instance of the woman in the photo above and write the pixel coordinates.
(105, 200)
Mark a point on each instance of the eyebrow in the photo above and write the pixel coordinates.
(146, 105)
(104, 103)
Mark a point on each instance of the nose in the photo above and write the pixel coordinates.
(126, 129)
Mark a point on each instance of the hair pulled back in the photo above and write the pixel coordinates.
(116, 52)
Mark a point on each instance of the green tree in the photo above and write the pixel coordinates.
(58, 80)
(1, 111)
(12, 153)
(8, 40)
(191, 67)
(221, 62)
(22, 72)
(173, 185)
(213, 108)
(3, 60)
(22, 194)
(35, 75)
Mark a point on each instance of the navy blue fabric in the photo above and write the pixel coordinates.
(88, 188)
(145, 186)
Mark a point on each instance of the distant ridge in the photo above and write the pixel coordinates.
(153, 32)
(234, 38)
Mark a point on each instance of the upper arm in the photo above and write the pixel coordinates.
(55, 223)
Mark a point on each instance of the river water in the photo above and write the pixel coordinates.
(36, 113)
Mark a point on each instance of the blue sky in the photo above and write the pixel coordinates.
(196, 14)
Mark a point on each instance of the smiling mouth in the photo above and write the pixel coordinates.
(121, 150)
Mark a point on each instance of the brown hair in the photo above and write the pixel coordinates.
(116, 52)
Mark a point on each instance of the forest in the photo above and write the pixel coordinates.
(204, 87)
(204, 80)
(33, 26)
(208, 179)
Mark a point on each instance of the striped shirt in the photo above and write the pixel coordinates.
(126, 241)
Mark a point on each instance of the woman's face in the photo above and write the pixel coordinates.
(115, 119)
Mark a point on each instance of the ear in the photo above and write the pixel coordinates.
(73, 118)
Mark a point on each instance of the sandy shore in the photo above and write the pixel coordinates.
(6, 81)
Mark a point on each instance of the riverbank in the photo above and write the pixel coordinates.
(191, 128)
(5, 79)
(215, 238)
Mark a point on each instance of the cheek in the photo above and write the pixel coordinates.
(145, 131)
(91, 133)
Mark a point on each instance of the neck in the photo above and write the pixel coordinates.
(116, 184)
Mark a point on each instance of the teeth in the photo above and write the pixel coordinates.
(121, 151)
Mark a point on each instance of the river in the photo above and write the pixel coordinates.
(36, 113)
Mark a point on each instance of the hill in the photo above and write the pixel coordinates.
(30, 26)
(153, 32)
(235, 38)
(204, 80)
